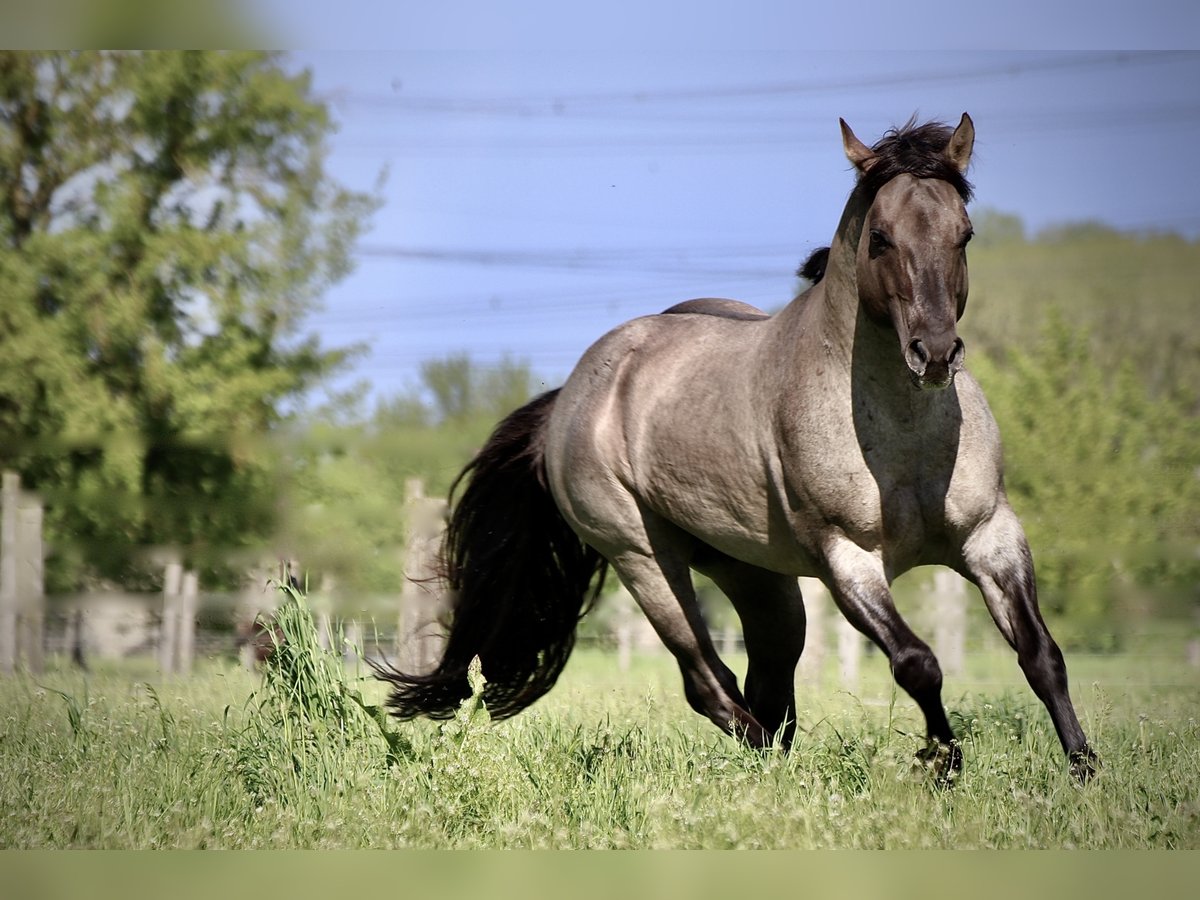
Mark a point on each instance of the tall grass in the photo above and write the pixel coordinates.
(309, 729)
(301, 755)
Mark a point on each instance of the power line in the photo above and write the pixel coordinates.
(570, 261)
(741, 137)
(716, 121)
(558, 105)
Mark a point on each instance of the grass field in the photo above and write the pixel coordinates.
(122, 759)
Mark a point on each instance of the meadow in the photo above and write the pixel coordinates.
(119, 758)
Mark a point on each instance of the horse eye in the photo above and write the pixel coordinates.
(966, 239)
(879, 243)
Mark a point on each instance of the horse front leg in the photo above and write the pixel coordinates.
(859, 585)
(998, 561)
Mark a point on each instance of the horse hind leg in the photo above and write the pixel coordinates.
(771, 610)
(659, 578)
(860, 589)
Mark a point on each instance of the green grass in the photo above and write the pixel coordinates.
(120, 758)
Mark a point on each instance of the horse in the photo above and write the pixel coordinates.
(840, 438)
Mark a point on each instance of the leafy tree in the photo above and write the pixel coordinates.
(1103, 475)
(165, 224)
(1135, 295)
(993, 227)
(461, 389)
(347, 480)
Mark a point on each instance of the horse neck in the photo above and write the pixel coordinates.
(830, 321)
(828, 314)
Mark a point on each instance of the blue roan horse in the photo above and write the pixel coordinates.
(840, 438)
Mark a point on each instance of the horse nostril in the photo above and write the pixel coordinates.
(957, 352)
(918, 350)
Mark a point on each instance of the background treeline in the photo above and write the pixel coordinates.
(166, 221)
(1087, 343)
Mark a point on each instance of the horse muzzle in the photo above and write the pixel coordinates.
(934, 363)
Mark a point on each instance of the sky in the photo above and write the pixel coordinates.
(534, 197)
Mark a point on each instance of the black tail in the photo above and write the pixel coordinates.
(520, 577)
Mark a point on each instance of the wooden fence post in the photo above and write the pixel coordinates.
(8, 572)
(168, 636)
(816, 605)
(1193, 645)
(76, 638)
(419, 638)
(22, 591)
(850, 650)
(623, 626)
(30, 585)
(321, 603)
(729, 639)
(189, 598)
(352, 648)
(950, 620)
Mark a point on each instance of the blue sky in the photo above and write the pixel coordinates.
(534, 198)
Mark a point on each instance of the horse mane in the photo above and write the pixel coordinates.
(813, 269)
(918, 150)
(911, 149)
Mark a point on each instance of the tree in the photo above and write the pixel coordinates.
(993, 227)
(461, 389)
(1135, 295)
(347, 475)
(1103, 475)
(165, 224)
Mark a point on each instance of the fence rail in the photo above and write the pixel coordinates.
(182, 623)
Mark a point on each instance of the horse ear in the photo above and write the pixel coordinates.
(961, 142)
(856, 151)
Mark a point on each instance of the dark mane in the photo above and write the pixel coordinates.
(813, 269)
(916, 150)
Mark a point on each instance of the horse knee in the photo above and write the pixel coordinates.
(916, 670)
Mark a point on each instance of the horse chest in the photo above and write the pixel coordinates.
(884, 486)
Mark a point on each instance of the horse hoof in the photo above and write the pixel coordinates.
(942, 762)
(1085, 764)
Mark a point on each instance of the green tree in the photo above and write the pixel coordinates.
(347, 475)
(166, 222)
(1135, 295)
(1103, 474)
(461, 388)
(993, 227)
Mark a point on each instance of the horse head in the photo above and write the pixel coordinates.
(911, 262)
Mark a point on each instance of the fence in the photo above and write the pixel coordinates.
(113, 624)
(182, 623)
(21, 581)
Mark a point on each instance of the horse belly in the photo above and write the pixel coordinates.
(724, 486)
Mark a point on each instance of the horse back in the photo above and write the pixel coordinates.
(662, 413)
(717, 306)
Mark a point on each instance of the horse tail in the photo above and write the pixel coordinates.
(520, 579)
